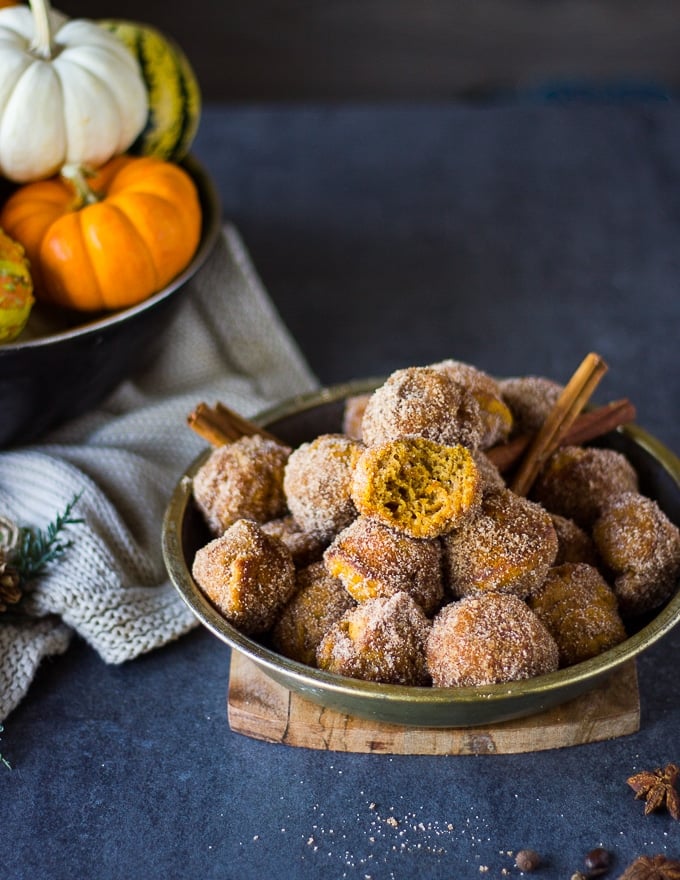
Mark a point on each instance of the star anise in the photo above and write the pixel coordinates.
(652, 868)
(658, 788)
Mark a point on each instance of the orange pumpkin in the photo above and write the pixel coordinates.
(110, 241)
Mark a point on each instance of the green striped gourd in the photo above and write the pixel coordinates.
(174, 93)
(16, 288)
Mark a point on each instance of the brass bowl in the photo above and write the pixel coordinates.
(304, 417)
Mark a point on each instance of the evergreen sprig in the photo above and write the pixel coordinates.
(3, 759)
(39, 547)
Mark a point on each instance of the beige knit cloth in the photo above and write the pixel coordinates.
(226, 343)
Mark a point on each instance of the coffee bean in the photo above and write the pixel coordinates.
(598, 861)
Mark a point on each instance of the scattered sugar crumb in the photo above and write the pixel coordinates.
(390, 832)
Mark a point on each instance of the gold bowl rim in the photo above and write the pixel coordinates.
(532, 693)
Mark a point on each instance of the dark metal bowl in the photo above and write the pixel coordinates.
(63, 364)
(303, 418)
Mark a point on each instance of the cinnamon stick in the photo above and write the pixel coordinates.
(220, 424)
(569, 404)
(239, 423)
(586, 427)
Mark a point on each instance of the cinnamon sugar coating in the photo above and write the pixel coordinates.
(530, 399)
(320, 601)
(353, 414)
(248, 575)
(490, 477)
(422, 402)
(317, 483)
(404, 508)
(305, 547)
(641, 546)
(580, 610)
(488, 639)
(374, 561)
(241, 480)
(416, 486)
(496, 415)
(576, 481)
(381, 640)
(508, 547)
(574, 544)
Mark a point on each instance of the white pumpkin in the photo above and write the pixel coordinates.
(70, 93)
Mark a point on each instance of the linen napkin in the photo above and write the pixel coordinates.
(228, 343)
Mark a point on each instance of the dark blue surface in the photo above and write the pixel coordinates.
(517, 236)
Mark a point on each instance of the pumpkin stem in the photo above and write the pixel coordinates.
(42, 37)
(77, 176)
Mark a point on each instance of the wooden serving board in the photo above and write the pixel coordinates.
(260, 708)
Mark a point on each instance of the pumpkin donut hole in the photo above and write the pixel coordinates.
(381, 640)
(507, 547)
(641, 548)
(574, 544)
(491, 478)
(580, 610)
(248, 576)
(422, 402)
(488, 639)
(373, 560)
(319, 601)
(577, 481)
(317, 483)
(530, 400)
(496, 417)
(241, 480)
(305, 547)
(417, 486)
(353, 414)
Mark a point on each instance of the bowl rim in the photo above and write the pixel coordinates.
(211, 222)
(566, 679)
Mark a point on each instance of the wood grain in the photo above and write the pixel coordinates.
(262, 709)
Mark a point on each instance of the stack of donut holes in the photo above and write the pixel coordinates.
(393, 551)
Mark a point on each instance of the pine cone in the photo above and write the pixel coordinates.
(10, 585)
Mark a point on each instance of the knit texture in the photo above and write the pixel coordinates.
(123, 459)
